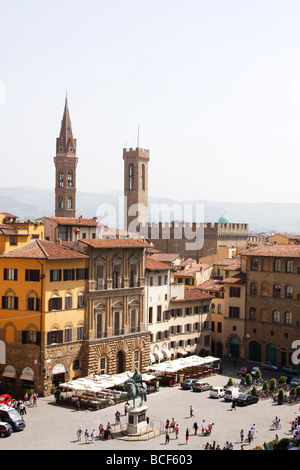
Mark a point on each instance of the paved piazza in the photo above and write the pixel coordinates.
(49, 426)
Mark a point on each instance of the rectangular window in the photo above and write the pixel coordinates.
(117, 323)
(68, 302)
(102, 365)
(10, 302)
(55, 303)
(81, 302)
(117, 276)
(133, 275)
(81, 273)
(55, 337)
(80, 333)
(68, 335)
(100, 277)
(69, 274)
(133, 321)
(234, 312)
(150, 315)
(100, 325)
(32, 275)
(31, 337)
(55, 275)
(13, 241)
(10, 274)
(159, 313)
(33, 303)
(235, 292)
(159, 281)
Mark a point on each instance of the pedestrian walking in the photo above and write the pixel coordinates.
(187, 435)
(93, 435)
(195, 425)
(173, 424)
(242, 435)
(86, 436)
(167, 437)
(233, 405)
(176, 430)
(79, 434)
(191, 411)
(34, 399)
(203, 426)
(126, 406)
(31, 400)
(249, 436)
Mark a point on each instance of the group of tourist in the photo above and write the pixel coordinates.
(104, 433)
(21, 405)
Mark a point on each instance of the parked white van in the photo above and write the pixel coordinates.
(230, 393)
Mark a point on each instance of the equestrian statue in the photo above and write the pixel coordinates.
(135, 387)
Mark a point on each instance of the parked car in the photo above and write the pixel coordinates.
(13, 417)
(244, 370)
(201, 386)
(231, 393)
(217, 392)
(187, 384)
(244, 399)
(290, 369)
(5, 399)
(269, 366)
(253, 371)
(5, 429)
(295, 382)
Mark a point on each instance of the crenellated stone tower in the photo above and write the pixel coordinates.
(135, 187)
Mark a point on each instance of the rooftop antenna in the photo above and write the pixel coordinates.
(138, 137)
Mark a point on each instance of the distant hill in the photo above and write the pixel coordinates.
(32, 203)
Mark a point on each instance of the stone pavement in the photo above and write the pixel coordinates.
(52, 427)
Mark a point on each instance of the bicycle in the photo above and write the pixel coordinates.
(275, 427)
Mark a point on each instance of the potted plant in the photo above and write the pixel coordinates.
(265, 386)
(280, 396)
(248, 379)
(230, 382)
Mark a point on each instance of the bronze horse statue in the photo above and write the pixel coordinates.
(135, 390)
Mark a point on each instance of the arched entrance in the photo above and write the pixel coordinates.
(271, 353)
(254, 351)
(234, 347)
(120, 362)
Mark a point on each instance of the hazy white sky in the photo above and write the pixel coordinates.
(214, 86)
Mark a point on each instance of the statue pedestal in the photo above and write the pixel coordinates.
(137, 421)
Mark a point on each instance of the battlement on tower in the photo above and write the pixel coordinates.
(137, 153)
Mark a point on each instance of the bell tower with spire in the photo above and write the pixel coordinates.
(65, 169)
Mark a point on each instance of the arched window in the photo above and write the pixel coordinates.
(276, 316)
(70, 179)
(253, 288)
(131, 176)
(289, 292)
(254, 264)
(276, 290)
(277, 265)
(290, 266)
(60, 202)
(252, 313)
(288, 318)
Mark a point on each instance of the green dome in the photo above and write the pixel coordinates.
(224, 219)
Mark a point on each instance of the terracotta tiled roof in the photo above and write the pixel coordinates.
(239, 278)
(153, 265)
(284, 251)
(211, 285)
(194, 294)
(113, 242)
(165, 257)
(74, 221)
(42, 249)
